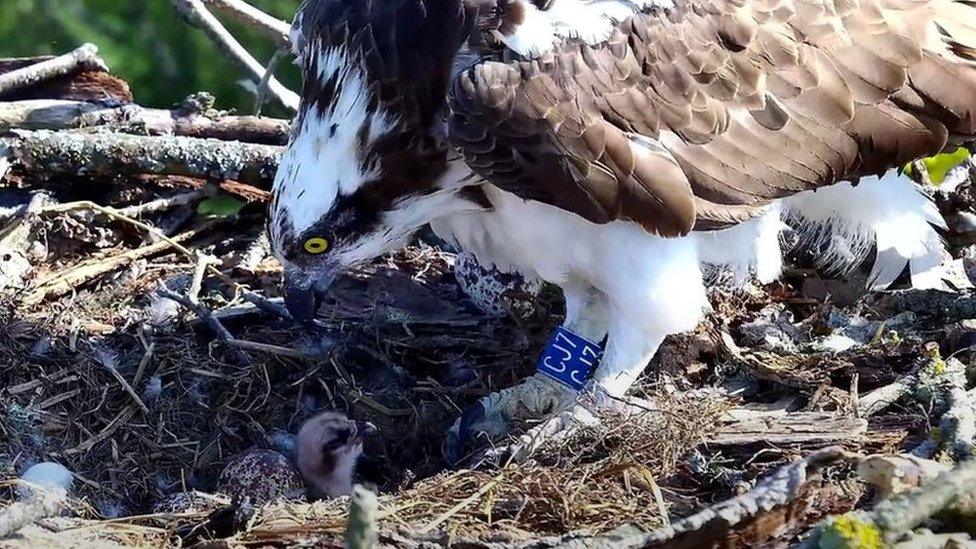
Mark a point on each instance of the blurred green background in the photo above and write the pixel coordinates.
(146, 42)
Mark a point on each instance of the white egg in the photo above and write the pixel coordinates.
(48, 475)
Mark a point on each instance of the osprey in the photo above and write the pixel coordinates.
(618, 149)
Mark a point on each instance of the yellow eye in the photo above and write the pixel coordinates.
(316, 245)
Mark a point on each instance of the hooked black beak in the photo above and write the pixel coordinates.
(302, 301)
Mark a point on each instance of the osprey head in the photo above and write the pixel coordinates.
(367, 149)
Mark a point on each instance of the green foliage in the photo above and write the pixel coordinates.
(939, 166)
(220, 206)
(144, 41)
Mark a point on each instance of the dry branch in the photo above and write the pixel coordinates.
(809, 428)
(55, 114)
(197, 14)
(882, 397)
(707, 527)
(85, 56)
(66, 281)
(892, 518)
(162, 204)
(222, 333)
(72, 153)
(274, 28)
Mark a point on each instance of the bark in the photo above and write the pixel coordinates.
(901, 514)
(85, 56)
(84, 84)
(713, 525)
(807, 428)
(71, 153)
(55, 114)
(274, 28)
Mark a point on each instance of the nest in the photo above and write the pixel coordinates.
(141, 399)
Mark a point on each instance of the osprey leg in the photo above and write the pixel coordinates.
(538, 395)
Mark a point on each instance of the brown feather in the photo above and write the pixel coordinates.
(733, 103)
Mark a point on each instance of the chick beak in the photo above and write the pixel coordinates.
(364, 429)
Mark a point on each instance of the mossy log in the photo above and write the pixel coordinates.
(75, 153)
(56, 114)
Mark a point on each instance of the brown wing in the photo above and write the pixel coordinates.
(699, 117)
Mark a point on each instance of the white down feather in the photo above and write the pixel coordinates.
(890, 213)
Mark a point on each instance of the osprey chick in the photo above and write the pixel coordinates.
(329, 445)
(616, 148)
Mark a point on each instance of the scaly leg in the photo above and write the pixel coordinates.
(538, 395)
(629, 349)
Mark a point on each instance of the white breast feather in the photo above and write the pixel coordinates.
(589, 20)
(323, 158)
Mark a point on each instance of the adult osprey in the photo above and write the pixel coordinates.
(616, 148)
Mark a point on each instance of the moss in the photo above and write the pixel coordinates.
(939, 166)
(850, 532)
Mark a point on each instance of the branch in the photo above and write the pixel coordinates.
(892, 518)
(197, 14)
(68, 280)
(222, 333)
(57, 114)
(275, 28)
(363, 509)
(113, 154)
(85, 56)
(780, 488)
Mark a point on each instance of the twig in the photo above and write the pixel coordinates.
(128, 389)
(68, 280)
(274, 28)
(457, 508)
(266, 305)
(162, 204)
(85, 56)
(121, 419)
(222, 333)
(144, 362)
(261, 94)
(197, 14)
(271, 349)
(247, 295)
(204, 261)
